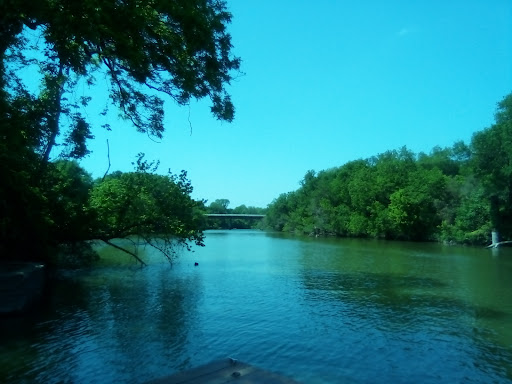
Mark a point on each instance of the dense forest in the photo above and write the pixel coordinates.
(455, 195)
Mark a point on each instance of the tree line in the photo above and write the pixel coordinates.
(457, 194)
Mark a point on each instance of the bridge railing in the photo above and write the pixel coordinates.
(234, 215)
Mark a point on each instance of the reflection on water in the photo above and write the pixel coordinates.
(321, 311)
(423, 308)
(103, 326)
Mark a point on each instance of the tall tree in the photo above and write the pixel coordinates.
(492, 162)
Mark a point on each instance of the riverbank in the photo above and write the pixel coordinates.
(21, 287)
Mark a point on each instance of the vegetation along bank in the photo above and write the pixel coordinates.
(455, 195)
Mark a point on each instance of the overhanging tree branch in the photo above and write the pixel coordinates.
(108, 157)
(163, 250)
(125, 251)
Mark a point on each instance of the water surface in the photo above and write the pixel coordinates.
(317, 310)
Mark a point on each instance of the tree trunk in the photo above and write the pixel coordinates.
(495, 238)
(53, 121)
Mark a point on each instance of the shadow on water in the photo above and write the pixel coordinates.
(87, 331)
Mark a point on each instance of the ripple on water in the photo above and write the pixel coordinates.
(311, 310)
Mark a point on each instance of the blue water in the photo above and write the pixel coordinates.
(318, 311)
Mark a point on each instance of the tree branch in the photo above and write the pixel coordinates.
(496, 245)
(53, 121)
(127, 231)
(121, 91)
(108, 156)
(125, 250)
(160, 89)
(163, 250)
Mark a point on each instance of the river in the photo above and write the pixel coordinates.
(316, 310)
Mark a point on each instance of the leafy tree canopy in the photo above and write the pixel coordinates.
(156, 208)
(146, 49)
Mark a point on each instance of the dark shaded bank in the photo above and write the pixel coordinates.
(22, 287)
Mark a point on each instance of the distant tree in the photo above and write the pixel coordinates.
(443, 159)
(461, 152)
(219, 206)
(241, 209)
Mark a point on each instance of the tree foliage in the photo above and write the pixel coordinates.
(146, 51)
(219, 206)
(455, 194)
(155, 208)
(492, 164)
(178, 47)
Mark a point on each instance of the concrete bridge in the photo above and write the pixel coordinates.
(228, 220)
(234, 216)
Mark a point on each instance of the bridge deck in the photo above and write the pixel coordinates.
(235, 215)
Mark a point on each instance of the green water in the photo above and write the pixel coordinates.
(316, 310)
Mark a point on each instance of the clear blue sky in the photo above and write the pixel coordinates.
(328, 82)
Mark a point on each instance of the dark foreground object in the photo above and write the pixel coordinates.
(224, 371)
(21, 287)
